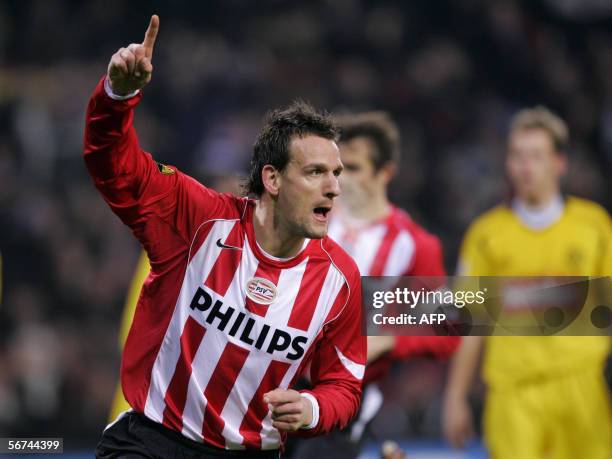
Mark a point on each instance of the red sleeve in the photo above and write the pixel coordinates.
(162, 206)
(337, 367)
(428, 260)
(440, 347)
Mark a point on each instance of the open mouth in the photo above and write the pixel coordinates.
(321, 213)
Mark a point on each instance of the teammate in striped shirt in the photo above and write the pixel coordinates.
(243, 295)
(384, 241)
(382, 238)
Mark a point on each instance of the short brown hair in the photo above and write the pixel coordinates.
(376, 126)
(281, 125)
(540, 117)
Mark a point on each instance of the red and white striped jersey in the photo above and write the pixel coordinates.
(219, 322)
(393, 246)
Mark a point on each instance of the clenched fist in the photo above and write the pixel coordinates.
(130, 68)
(290, 411)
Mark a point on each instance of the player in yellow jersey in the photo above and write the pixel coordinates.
(546, 396)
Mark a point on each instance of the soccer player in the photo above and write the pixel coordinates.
(243, 293)
(384, 241)
(546, 395)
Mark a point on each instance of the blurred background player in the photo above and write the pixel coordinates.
(547, 396)
(384, 241)
(382, 238)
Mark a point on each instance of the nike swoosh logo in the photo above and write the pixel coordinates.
(223, 246)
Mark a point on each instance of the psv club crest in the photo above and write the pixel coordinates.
(261, 290)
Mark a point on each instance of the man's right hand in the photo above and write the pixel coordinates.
(457, 422)
(130, 68)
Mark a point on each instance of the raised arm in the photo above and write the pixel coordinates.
(159, 203)
(121, 170)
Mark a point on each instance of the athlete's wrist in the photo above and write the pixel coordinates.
(110, 92)
(311, 411)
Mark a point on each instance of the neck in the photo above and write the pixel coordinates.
(541, 200)
(538, 218)
(271, 235)
(374, 209)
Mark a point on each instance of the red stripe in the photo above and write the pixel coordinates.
(339, 303)
(218, 389)
(227, 262)
(267, 272)
(250, 427)
(308, 294)
(380, 260)
(176, 394)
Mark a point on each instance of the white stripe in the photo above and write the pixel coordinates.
(289, 282)
(203, 365)
(356, 369)
(236, 292)
(168, 355)
(366, 247)
(400, 256)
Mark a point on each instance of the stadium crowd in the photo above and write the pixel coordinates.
(451, 74)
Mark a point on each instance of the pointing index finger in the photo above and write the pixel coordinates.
(151, 35)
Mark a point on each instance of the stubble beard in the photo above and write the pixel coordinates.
(303, 229)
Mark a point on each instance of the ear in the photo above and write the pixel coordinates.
(387, 171)
(271, 179)
(562, 163)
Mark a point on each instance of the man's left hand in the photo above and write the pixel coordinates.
(290, 411)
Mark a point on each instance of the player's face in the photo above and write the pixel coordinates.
(359, 181)
(309, 185)
(533, 165)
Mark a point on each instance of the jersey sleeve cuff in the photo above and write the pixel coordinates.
(315, 410)
(112, 95)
